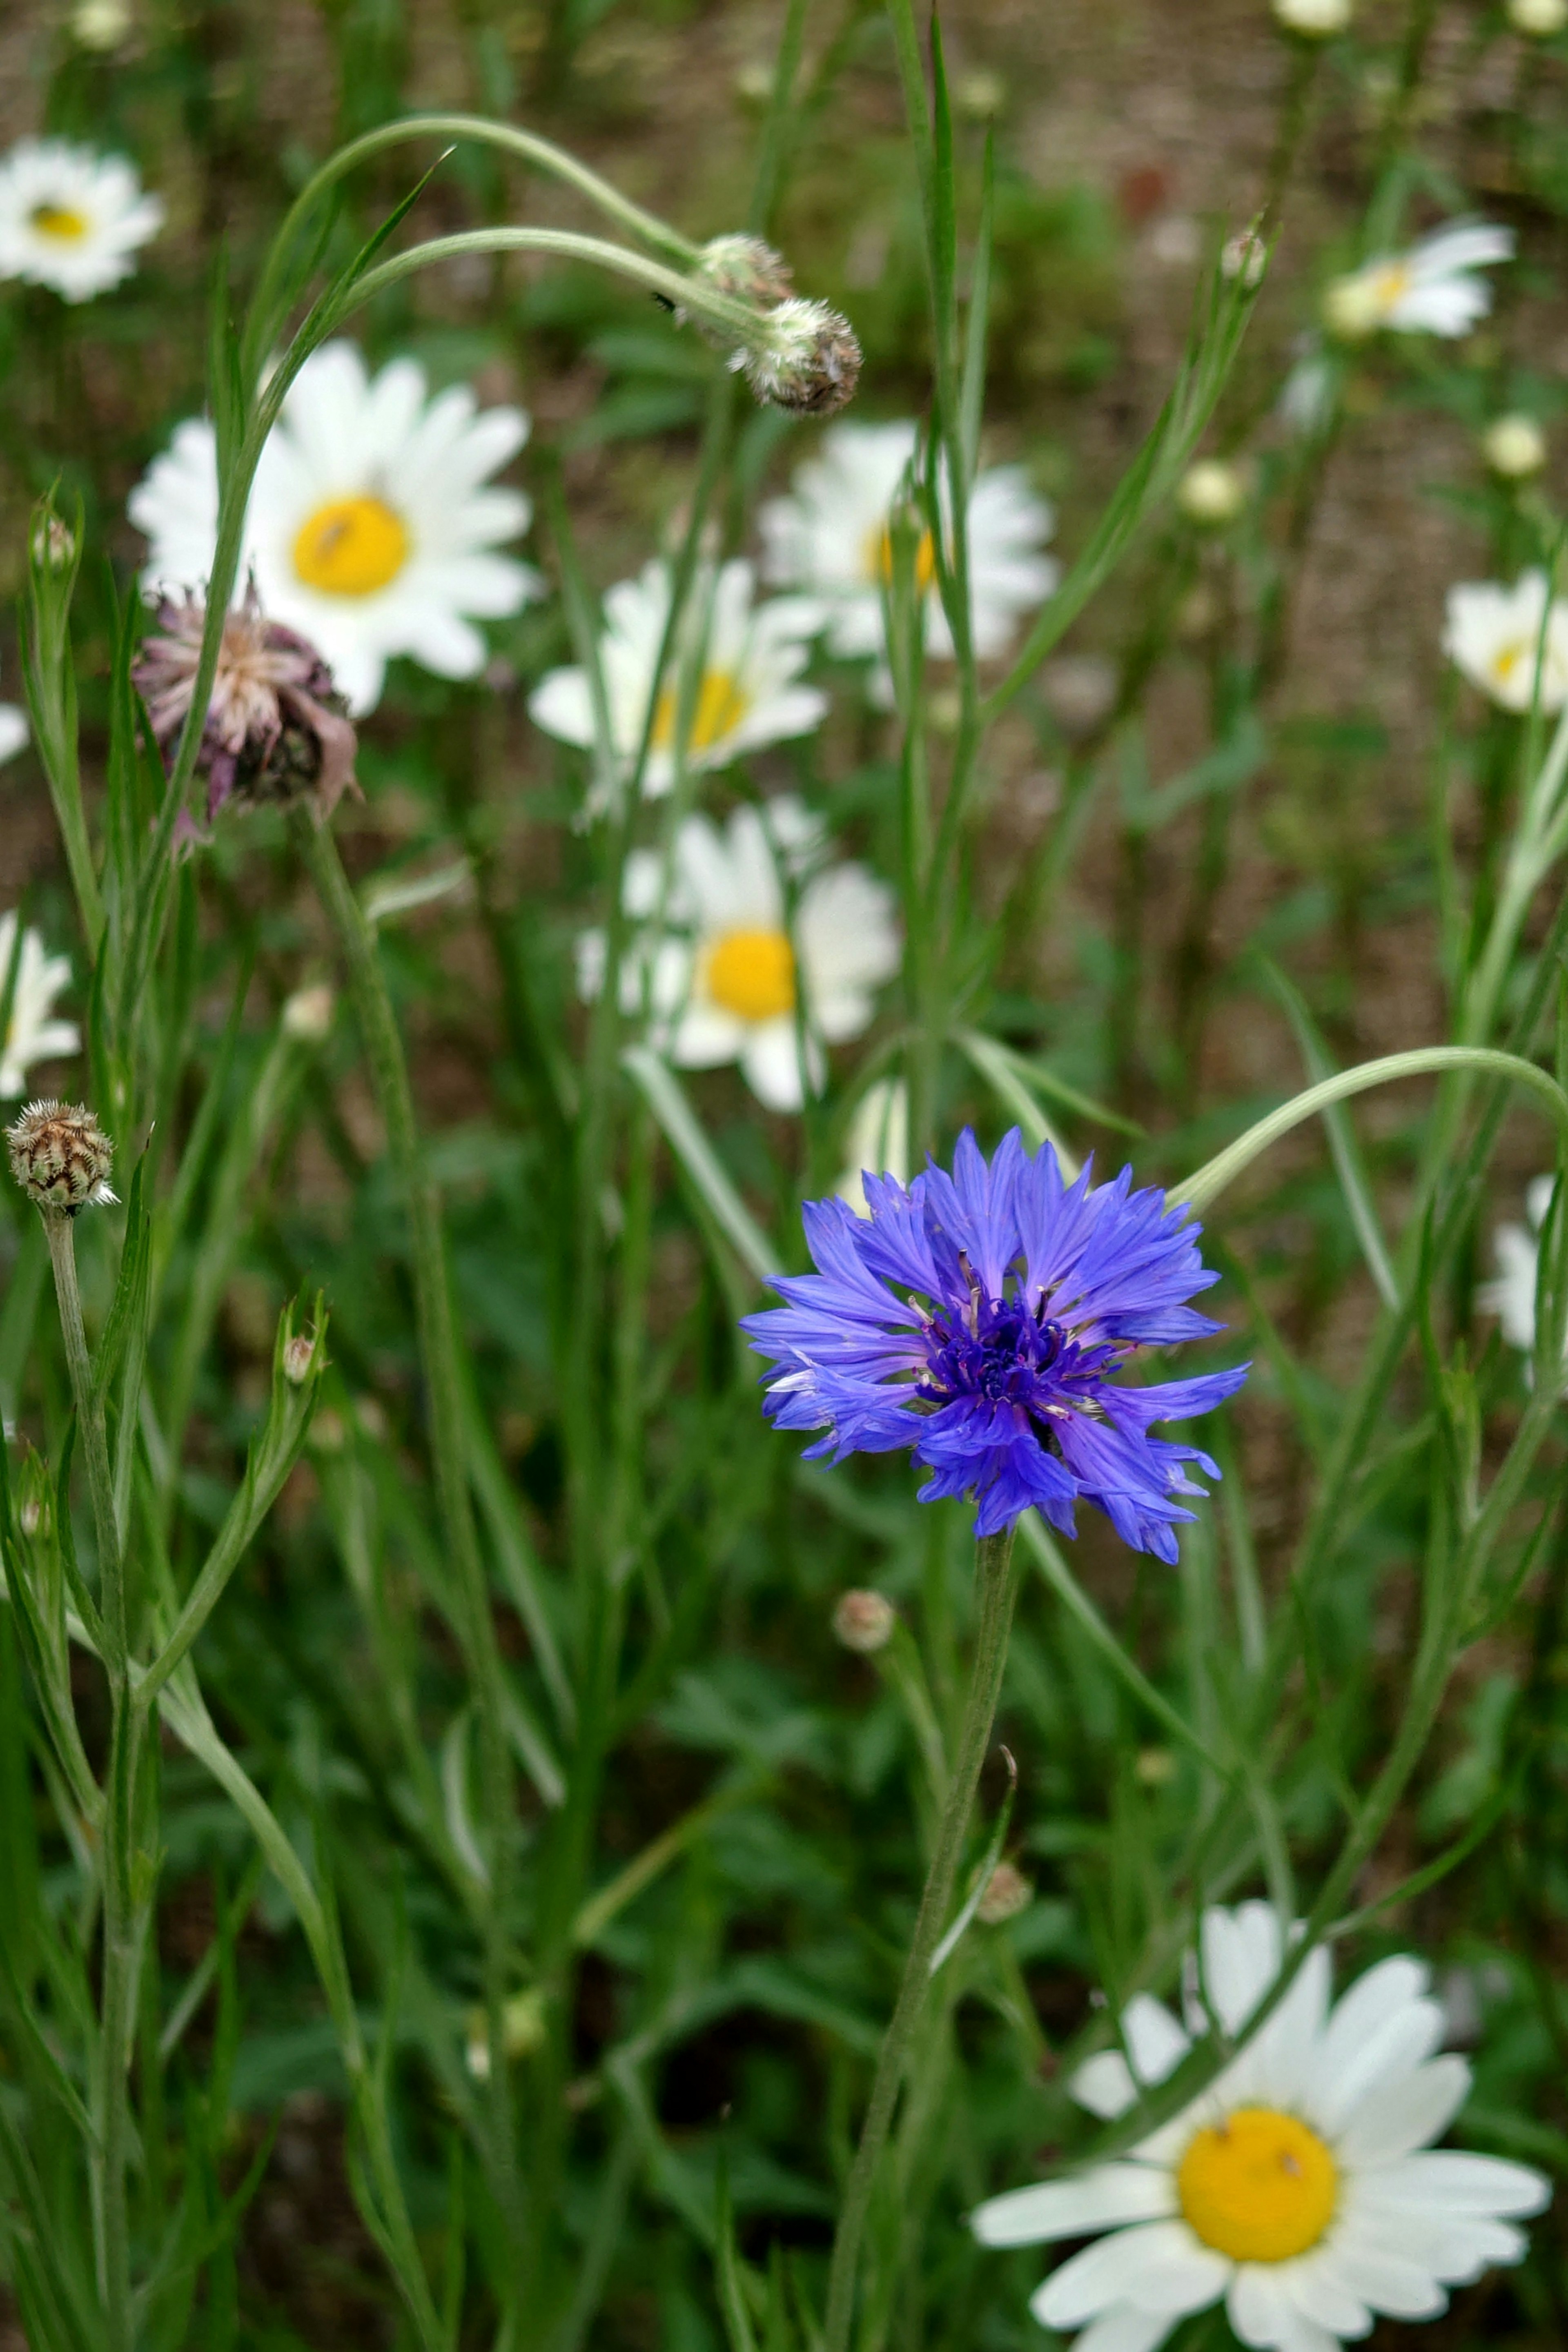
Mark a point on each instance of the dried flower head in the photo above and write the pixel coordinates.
(276, 727)
(864, 1621)
(61, 1157)
(805, 359)
(1007, 1892)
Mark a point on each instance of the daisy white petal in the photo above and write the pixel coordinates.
(1262, 2313)
(12, 730)
(1104, 2084)
(1315, 2288)
(1159, 2266)
(33, 1035)
(1122, 2329)
(1350, 2077)
(1102, 2199)
(369, 529)
(1399, 2117)
(1447, 2179)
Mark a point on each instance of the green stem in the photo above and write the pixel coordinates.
(995, 1586)
(111, 2087)
(438, 1349)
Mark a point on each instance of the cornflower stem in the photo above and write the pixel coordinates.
(995, 1589)
(444, 1381)
(117, 2024)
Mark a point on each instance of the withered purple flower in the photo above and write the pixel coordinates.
(276, 727)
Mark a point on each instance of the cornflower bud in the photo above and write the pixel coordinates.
(805, 359)
(1313, 20)
(1211, 493)
(864, 1621)
(746, 269)
(61, 1158)
(1539, 19)
(1514, 447)
(308, 1014)
(1007, 1892)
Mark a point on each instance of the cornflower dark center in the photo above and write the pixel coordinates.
(997, 1349)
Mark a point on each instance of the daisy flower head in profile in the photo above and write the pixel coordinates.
(731, 972)
(32, 1035)
(1431, 290)
(1509, 642)
(1510, 1294)
(373, 527)
(70, 218)
(738, 663)
(979, 1318)
(1301, 2187)
(877, 1142)
(830, 539)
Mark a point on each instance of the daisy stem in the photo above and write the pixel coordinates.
(995, 1589)
(438, 1349)
(117, 2013)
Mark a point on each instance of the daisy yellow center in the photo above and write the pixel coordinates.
(59, 220)
(1259, 2187)
(1507, 658)
(1390, 283)
(351, 547)
(720, 706)
(752, 974)
(879, 559)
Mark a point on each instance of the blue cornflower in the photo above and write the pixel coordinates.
(1017, 1297)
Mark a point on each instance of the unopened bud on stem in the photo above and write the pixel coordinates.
(805, 359)
(864, 1621)
(61, 1158)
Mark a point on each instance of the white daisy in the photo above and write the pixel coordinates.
(878, 1143)
(1495, 635)
(1432, 290)
(373, 525)
(1510, 1295)
(1301, 2187)
(748, 692)
(71, 217)
(32, 1036)
(829, 538)
(726, 972)
(1315, 20)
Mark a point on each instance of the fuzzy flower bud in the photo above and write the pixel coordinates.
(1211, 493)
(299, 1358)
(1245, 256)
(747, 269)
(53, 542)
(864, 1621)
(1539, 19)
(805, 359)
(1514, 447)
(1007, 1892)
(61, 1157)
(276, 727)
(308, 1014)
(1313, 20)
